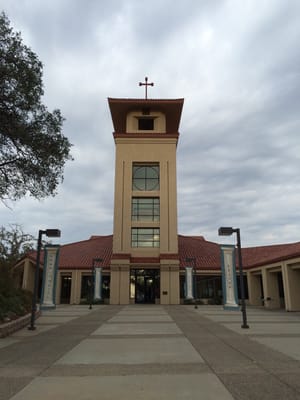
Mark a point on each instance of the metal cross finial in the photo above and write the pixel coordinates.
(146, 84)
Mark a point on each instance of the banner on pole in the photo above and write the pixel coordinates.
(98, 283)
(51, 254)
(229, 281)
(189, 292)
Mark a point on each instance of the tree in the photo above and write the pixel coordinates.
(14, 244)
(33, 151)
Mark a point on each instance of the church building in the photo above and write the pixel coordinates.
(146, 260)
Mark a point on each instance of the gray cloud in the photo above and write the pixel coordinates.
(237, 66)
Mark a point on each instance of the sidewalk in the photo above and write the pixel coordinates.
(153, 352)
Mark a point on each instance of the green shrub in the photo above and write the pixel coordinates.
(18, 303)
(6, 281)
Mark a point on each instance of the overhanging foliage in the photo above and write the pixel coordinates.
(33, 151)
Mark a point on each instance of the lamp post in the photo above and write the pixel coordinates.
(48, 233)
(193, 261)
(92, 286)
(228, 231)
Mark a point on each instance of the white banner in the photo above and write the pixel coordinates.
(189, 293)
(229, 283)
(98, 284)
(51, 253)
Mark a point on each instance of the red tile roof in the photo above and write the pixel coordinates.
(81, 254)
(256, 256)
(206, 254)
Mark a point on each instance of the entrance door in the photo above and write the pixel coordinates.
(65, 292)
(144, 285)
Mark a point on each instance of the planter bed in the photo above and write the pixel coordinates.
(10, 327)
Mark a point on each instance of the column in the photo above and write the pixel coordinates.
(28, 276)
(114, 285)
(254, 288)
(164, 284)
(58, 288)
(271, 290)
(291, 284)
(124, 284)
(74, 285)
(174, 284)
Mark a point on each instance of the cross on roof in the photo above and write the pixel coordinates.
(146, 84)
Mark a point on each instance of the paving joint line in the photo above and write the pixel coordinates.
(77, 341)
(258, 363)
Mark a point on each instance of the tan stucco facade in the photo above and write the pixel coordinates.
(163, 152)
(146, 147)
(264, 285)
(291, 283)
(28, 275)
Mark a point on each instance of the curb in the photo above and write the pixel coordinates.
(13, 326)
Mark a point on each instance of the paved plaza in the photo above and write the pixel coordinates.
(153, 352)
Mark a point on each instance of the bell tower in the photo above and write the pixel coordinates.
(145, 264)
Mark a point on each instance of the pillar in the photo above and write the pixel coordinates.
(119, 279)
(169, 283)
(174, 284)
(28, 276)
(124, 284)
(58, 288)
(291, 284)
(75, 287)
(114, 285)
(254, 288)
(271, 290)
(164, 284)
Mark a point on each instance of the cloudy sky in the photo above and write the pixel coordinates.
(237, 65)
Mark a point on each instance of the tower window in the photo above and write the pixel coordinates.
(145, 209)
(145, 237)
(145, 177)
(146, 124)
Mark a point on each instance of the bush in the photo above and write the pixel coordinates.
(13, 302)
(6, 281)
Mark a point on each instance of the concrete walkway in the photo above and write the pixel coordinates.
(153, 352)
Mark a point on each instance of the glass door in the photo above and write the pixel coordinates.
(144, 285)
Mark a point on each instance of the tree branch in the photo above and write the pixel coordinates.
(3, 164)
